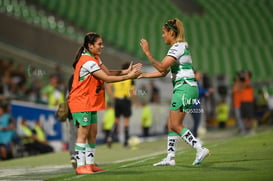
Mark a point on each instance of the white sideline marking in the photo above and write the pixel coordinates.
(21, 171)
(136, 162)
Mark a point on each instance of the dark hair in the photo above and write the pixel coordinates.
(171, 25)
(125, 65)
(90, 38)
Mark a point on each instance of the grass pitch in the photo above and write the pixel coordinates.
(234, 158)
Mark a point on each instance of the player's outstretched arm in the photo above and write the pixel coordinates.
(121, 72)
(153, 74)
(100, 74)
(160, 66)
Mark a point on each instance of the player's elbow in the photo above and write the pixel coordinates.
(164, 73)
(161, 69)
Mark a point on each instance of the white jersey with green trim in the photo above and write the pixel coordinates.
(89, 67)
(183, 68)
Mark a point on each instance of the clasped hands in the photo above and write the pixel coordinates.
(134, 70)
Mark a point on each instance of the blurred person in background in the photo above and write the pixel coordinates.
(155, 93)
(247, 102)
(123, 95)
(196, 108)
(222, 113)
(236, 102)
(185, 91)
(59, 74)
(108, 122)
(51, 94)
(87, 96)
(261, 106)
(7, 131)
(73, 130)
(40, 136)
(30, 141)
(146, 118)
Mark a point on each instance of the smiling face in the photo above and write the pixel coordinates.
(97, 47)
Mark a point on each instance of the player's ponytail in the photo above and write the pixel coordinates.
(78, 55)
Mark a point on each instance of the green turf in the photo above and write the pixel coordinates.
(240, 158)
(237, 158)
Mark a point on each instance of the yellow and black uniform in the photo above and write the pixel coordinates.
(28, 138)
(41, 138)
(122, 92)
(122, 95)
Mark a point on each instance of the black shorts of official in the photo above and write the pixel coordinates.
(123, 107)
(247, 110)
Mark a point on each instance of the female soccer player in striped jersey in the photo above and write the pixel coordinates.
(185, 91)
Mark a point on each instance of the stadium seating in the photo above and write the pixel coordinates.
(230, 36)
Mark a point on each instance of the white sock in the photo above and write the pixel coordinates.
(172, 144)
(90, 153)
(80, 154)
(90, 156)
(188, 137)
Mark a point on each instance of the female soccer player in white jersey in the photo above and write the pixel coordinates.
(185, 90)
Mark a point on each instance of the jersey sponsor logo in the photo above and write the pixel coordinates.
(93, 66)
(98, 89)
(172, 51)
(186, 101)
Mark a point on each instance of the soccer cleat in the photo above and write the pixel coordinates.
(165, 162)
(94, 168)
(200, 156)
(83, 170)
(73, 161)
(109, 141)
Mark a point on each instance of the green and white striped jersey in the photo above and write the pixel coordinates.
(182, 69)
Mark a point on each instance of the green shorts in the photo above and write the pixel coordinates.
(85, 118)
(184, 96)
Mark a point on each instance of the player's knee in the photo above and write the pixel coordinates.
(174, 128)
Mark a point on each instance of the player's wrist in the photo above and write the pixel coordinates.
(127, 76)
(123, 72)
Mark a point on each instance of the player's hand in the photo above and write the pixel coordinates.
(138, 66)
(134, 73)
(140, 76)
(130, 66)
(145, 46)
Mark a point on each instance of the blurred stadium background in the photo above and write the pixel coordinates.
(225, 36)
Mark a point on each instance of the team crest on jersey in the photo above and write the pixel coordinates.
(85, 119)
